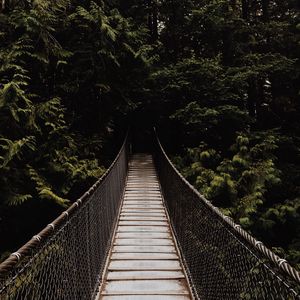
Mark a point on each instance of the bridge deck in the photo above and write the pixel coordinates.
(144, 263)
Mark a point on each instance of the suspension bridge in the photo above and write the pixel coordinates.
(143, 232)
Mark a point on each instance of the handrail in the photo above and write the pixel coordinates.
(286, 269)
(34, 244)
(15, 257)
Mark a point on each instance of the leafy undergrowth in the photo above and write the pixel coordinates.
(248, 183)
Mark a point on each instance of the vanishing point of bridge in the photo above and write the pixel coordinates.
(143, 232)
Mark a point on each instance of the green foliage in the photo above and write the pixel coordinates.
(228, 80)
(44, 190)
(224, 74)
(14, 149)
(241, 190)
(241, 181)
(64, 82)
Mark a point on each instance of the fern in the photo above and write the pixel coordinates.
(11, 149)
(48, 194)
(18, 199)
(51, 81)
(44, 189)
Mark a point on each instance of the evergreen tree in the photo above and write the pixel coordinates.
(63, 85)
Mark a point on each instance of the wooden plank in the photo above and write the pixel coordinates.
(148, 287)
(135, 275)
(157, 200)
(143, 229)
(142, 210)
(143, 242)
(143, 200)
(152, 183)
(143, 203)
(145, 297)
(135, 215)
(142, 187)
(143, 206)
(144, 192)
(144, 249)
(143, 178)
(138, 179)
(149, 183)
(135, 176)
(142, 218)
(142, 196)
(143, 223)
(143, 214)
(131, 265)
(147, 177)
(140, 202)
(143, 235)
(146, 183)
(143, 256)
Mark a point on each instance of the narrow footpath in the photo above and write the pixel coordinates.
(144, 263)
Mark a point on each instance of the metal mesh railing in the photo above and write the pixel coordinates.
(222, 260)
(67, 258)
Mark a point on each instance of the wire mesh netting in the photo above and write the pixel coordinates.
(220, 262)
(66, 259)
(69, 262)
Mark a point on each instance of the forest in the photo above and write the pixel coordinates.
(218, 78)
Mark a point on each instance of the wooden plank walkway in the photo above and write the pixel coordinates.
(144, 263)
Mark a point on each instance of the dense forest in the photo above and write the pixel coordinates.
(219, 79)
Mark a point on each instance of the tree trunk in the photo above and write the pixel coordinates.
(245, 9)
(149, 5)
(233, 4)
(2, 5)
(252, 96)
(154, 21)
(260, 99)
(265, 9)
(227, 39)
